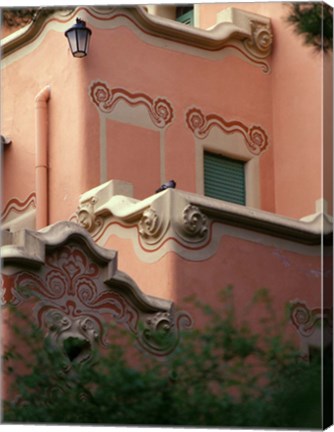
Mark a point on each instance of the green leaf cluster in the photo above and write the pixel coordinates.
(314, 21)
(224, 374)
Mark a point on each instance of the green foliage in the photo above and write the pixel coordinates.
(224, 374)
(314, 21)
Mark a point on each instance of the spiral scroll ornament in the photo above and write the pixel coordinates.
(308, 320)
(162, 112)
(157, 333)
(101, 96)
(195, 223)
(150, 226)
(162, 332)
(258, 139)
(261, 40)
(86, 217)
(195, 120)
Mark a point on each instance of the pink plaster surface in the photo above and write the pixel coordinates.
(297, 110)
(137, 147)
(286, 103)
(246, 265)
(216, 86)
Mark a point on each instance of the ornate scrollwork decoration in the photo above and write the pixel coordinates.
(261, 40)
(162, 112)
(63, 330)
(86, 216)
(106, 98)
(78, 290)
(192, 225)
(256, 138)
(161, 332)
(196, 121)
(101, 96)
(306, 321)
(151, 226)
(195, 223)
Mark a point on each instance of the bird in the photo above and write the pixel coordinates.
(168, 185)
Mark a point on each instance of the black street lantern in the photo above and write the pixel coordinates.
(78, 37)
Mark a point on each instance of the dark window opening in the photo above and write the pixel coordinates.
(185, 14)
(224, 178)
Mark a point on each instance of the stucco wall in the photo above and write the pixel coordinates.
(298, 106)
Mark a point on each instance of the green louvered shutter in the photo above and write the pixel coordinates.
(185, 15)
(224, 178)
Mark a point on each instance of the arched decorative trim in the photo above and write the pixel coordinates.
(106, 98)
(256, 138)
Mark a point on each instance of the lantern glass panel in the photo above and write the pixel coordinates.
(82, 38)
(72, 38)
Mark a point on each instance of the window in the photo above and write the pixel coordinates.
(224, 178)
(185, 14)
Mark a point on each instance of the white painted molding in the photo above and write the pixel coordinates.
(190, 225)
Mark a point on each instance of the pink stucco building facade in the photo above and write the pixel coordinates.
(92, 139)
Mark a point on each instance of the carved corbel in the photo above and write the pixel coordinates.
(86, 216)
(260, 42)
(193, 224)
(152, 225)
(62, 328)
(162, 331)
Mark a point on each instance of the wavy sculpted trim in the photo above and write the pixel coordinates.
(106, 98)
(17, 206)
(200, 124)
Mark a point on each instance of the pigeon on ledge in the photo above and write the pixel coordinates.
(168, 185)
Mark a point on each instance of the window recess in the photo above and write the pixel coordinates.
(224, 178)
(185, 15)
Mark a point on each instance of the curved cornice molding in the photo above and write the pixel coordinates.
(30, 246)
(248, 33)
(155, 218)
(188, 224)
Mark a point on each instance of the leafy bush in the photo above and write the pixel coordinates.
(314, 22)
(224, 374)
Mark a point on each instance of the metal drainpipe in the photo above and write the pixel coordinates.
(41, 157)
